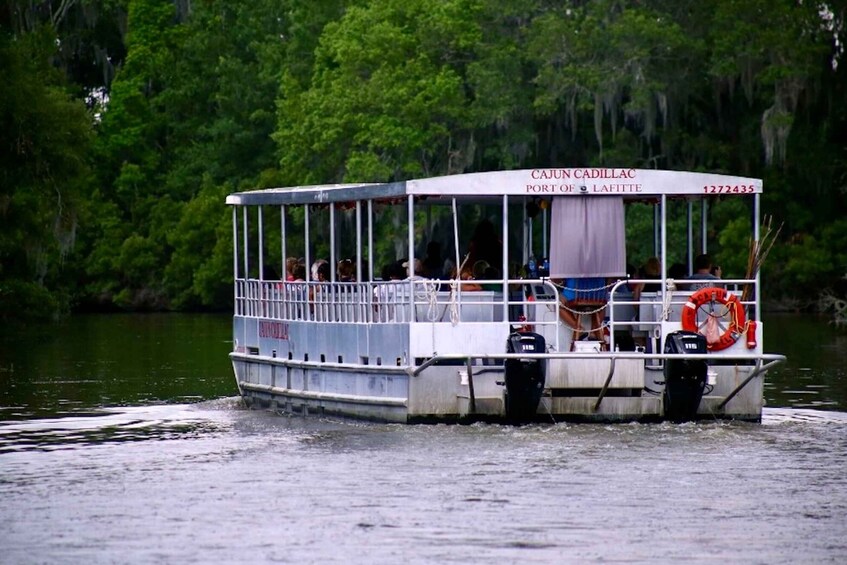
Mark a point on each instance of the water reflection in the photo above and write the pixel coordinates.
(814, 375)
(112, 360)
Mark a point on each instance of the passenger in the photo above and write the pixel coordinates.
(702, 270)
(492, 274)
(269, 273)
(346, 271)
(323, 273)
(677, 272)
(479, 268)
(314, 270)
(290, 264)
(585, 293)
(466, 275)
(652, 269)
(485, 244)
(385, 294)
(483, 271)
(432, 263)
(418, 270)
(297, 294)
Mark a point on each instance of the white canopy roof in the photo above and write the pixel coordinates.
(628, 183)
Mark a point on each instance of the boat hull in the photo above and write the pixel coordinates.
(459, 393)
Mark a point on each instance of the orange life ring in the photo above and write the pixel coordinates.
(733, 305)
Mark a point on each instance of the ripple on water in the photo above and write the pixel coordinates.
(116, 424)
(235, 485)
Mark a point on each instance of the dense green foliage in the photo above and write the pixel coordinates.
(126, 122)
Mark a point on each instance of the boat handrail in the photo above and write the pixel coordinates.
(667, 299)
(445, 301)
(386, 301)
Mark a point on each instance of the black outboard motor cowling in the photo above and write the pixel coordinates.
(685, 379)
(524, 377)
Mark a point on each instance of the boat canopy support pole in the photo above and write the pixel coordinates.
(656, 237)
(261, 245)
(505, 266)
(370, 240)
(663, 240)
(690, 226)
(410, 207)
(606, 384)
(704, 214)
(456, 237)
(235, 255)
(332, 261)
(359, 240)
(245, 250)
(284, 242)
(307, 311)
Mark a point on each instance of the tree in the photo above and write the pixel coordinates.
(44, 136)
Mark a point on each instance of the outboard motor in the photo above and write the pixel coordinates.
(524, 377)
(685, 379)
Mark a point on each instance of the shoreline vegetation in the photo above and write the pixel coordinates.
(125, 123)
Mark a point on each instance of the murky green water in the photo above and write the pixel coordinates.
(114, 360)
(121, 441)
(815, 375)
(88, 362)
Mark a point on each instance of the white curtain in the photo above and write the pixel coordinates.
(587, 237)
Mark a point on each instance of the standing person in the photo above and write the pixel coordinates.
(485, 245)
(432, 263)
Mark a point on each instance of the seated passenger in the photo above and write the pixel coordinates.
(585, 290)
(418, 270)
(589, 294)
(703, 271)
(346, 271)
(385, 295)
(296, 293)
(492, 274)
(314, 270)
(467, 275)
(651, 270)
(290, 265)
(479, 268)
(323, 273)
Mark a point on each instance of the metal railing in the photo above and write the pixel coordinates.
(424, 301)
(452, 301)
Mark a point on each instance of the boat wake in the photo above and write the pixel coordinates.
(115, 424)
(776, 416)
